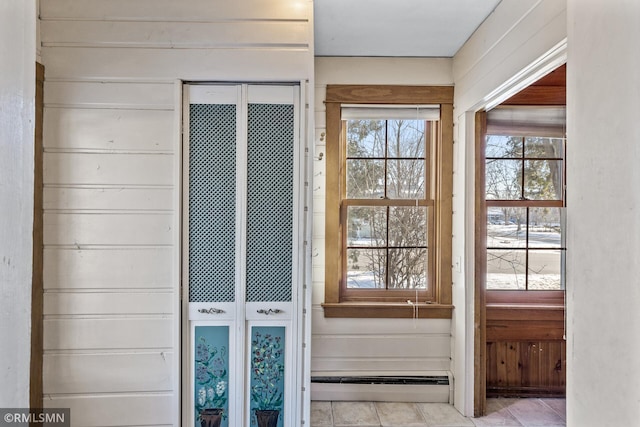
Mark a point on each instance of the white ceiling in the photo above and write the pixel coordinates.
(431, 28)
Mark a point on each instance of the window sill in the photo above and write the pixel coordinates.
(525, 311)
(535, 322)
(525, 298)
(386, 310)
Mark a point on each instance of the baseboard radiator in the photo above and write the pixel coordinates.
(427, 388)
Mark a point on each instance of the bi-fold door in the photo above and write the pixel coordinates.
(243, 245)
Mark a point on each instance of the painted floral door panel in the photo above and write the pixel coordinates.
(267, 386)
(211, 376)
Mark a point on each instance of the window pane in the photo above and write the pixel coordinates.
(406, 138)
(503, 146)
(506, 227)
(408, 226)
(545, 270)
(365, 138)
(503, 179)
(365, 179)
(546, 228)
(365, 268)
(506, 269)
(408, 268)
(366, 226)
(544, 147)
(543, 179)
(405, 179)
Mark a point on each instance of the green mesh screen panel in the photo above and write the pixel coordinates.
(212, 202)
(270, 202)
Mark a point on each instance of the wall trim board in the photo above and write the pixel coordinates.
(434, 388)
(18, 28)
(543, 65)
(479, 302)
(37, 297)
(177, 292)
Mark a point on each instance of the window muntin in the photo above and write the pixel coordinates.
(525, 248)
(524, 188)
(385, 159)
(386, 241)
(387, 247)
(524, 168)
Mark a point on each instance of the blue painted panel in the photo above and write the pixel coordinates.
(267, 370)
(211, 371)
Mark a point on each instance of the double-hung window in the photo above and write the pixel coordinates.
(524, 193)
(388, 202)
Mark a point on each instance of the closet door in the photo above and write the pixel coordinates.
(212, 256)
(272, 245)
(243, 252)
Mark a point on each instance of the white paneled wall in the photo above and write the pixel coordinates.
(110, 271)
(488, 66)
(112, 182)
(370, 346)
(149, 41)
(17, 124)
(603, 214)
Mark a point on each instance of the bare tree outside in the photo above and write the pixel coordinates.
(525, 245)
(386, 243)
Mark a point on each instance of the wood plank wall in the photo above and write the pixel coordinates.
(521, 368)
(111, 183)
(526, 351)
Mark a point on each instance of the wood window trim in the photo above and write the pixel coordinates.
(336, 95)
(551, 298)
(479, 304)
(511, 315)
(37, 292)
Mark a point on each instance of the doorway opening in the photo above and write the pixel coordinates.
(519, 244)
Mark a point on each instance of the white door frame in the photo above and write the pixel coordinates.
(542, 66)
(302, 218)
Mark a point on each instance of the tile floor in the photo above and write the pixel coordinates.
(501, 412)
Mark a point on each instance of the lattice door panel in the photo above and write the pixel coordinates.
(212, 202)
(269, 202)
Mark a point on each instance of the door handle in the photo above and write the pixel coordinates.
(270, 311)
(211, 310)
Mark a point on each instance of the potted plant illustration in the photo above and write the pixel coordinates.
(211, 384)
(267, 353)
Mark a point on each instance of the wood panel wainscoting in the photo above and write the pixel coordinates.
(534, 366)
